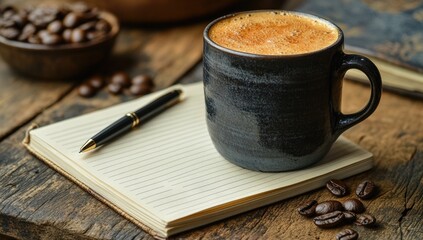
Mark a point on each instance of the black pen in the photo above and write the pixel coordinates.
(133, 119)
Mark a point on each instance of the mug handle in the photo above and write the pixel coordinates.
(351, 61)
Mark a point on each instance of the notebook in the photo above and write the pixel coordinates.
(166, 175)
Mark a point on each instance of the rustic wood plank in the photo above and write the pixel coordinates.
(22, 98)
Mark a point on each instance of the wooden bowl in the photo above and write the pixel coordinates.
(61, 61)
(161, 11)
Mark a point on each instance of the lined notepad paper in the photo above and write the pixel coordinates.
(167, 173)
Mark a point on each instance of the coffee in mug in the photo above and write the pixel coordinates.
(273, 85)
(273, 33)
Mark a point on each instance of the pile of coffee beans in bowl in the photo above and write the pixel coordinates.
(53, 24)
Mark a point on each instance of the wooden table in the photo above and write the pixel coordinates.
(38, 203)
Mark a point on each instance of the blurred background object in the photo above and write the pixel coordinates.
(165, 11)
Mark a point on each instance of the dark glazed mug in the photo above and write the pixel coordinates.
(280, 112)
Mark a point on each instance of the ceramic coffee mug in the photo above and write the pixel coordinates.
(279, 112)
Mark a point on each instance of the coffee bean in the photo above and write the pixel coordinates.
(55, 27)
(143, 80)
(114, 88)
(96, 82)
(329, 220)
(8, 14)
(88, 26)
(67, 34)
(347, 234)
(337, 187)
(328, 206)
(9, 33)
(43, 33)
(51, 39)
(86, 90)
(102, 25)
(93, 35)
(121, 78)
(366, 189)
(27, 31)
(78, 35)
(138, 90)
(71, 20)
(7, 23)
(34, 39)
(349, 216)
(308, 209)
(42, 16)
(354, 205)
(366, 220)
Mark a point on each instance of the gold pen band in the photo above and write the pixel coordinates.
(135, 119)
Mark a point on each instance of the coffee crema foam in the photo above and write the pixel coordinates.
(273, 33)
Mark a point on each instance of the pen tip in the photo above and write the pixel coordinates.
(89, 145)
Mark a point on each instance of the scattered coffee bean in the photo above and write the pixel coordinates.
(114, 88)
(328, 206)
(138, 90)
(96, 82)
(121, 78)
(347, 234)
(337, 187)
(366, 220)
(354, 205)
(329, 220)
(308, 209)
(366, 189)
(143, 80)
(86, 90)
(349, 216)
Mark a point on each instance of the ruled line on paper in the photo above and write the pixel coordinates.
(131, 154)
(151, 173)
(152, 178)
(115, 173)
